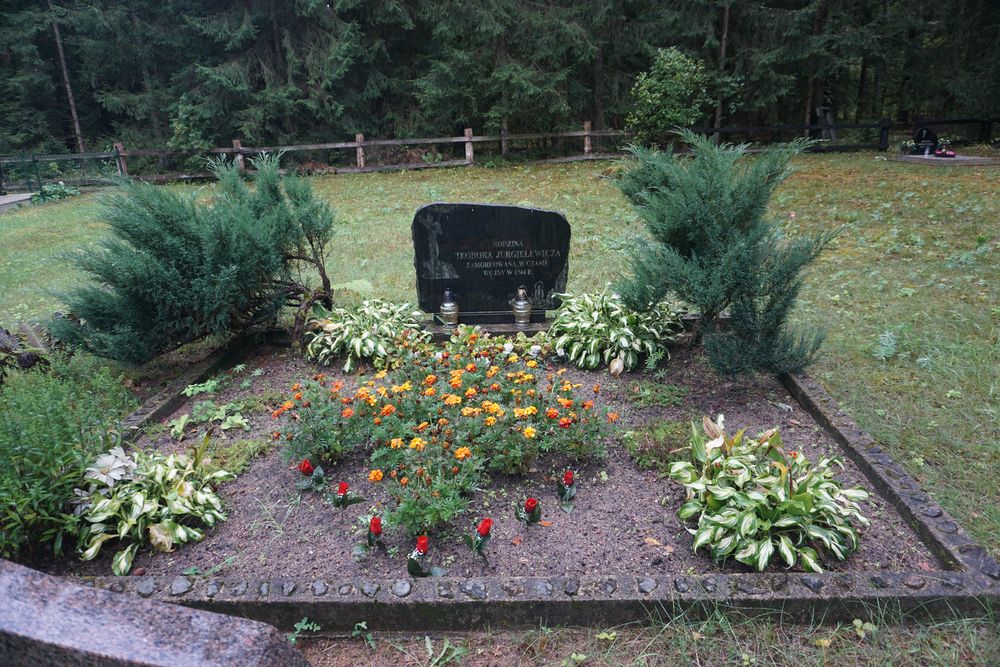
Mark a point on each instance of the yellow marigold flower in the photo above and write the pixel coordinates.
(362, 393)
(493, 370)
(470, 392)
(396, 443)
(442, 422)
(567, 386)
(400, 388)
(532, 364)
(490, 421)
(471, 368)
(430, 391)
(501, 413)
(513, 358)
(381, 374)
(381, 391)
(532, 410)
(452, 399)
(287, 405)
(463, 453)
(418, 444)
(529, 432)
(561, 371)
(371, 401)
(375, 476)
(296, 386)
(469, 411)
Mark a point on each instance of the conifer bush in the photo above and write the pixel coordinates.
(713, 245)
(175, 271)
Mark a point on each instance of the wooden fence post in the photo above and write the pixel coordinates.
(469, 155)
(587, 145)
(883, 134)
(504, 141)
(120, 159)
(985, 129)
(241, 164)
(360, 138)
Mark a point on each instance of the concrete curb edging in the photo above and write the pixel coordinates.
(969, 587)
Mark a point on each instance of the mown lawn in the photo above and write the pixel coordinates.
(909, 294)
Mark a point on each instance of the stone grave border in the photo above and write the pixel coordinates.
(957, 161)
(968, 588)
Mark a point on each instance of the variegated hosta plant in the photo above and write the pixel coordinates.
(752, 501)
(376, 330)
(592, 330)
(165, 499)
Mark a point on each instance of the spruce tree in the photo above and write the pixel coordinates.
(713, 246)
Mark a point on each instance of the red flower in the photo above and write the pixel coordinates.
(306, 468)
(565, 422)
(484, 527)
(423, 544)
(375, 526)
(530, 505)
(342, 489)
(568, 478)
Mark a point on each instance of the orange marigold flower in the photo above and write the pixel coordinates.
(597, 389)
(613, 417)
(362, 393)
(452, 399)
(296, 386)
(530, 432)
(430, 391)
(565, 422)
(346, 400)
(418, 444)
(276, 435)
(319, 377)
(404, 481)
(388, 410)
(588, 405)
(375, 476)
(396, 443)
(347, 413)
(378, 421)
(493, 370)
(470, 367)
(337, 386)
(287, 405)
(430, 379)
(491, 420)
(463, 453)
(565, 402)
(456, 383)
(470, 392)
(551, 413)
(298, 396)
(442, 422)
(421, 427)
(494, 387)
(566, 386)
(382, 391)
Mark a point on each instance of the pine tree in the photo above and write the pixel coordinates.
(176, 271)
(713, 246)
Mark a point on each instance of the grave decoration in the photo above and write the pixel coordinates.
(493, 264)
(925, 141)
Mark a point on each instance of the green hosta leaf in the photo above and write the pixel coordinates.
(748, 525)
(786, 550)
(95, 546)
(747, 554)
(721, 492)
(689, 509)
(809, 560)
(764, 551)
(161, 536)
(702, 537)
(854, 495)
(122, 562)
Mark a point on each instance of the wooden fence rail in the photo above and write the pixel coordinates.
(120, 154)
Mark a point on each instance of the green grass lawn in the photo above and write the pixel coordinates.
(909, 292)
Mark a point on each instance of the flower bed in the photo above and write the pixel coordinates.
(623, 519)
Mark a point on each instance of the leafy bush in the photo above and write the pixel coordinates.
(148, 496)
(713, 247)
(55, 191)
(752, 500)
(176, 271)
(592, 330)
(377, 330)
(443, 418)
(671, 94)
(51, 427)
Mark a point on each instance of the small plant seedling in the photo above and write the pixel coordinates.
(207, 387)
(646, 394)
(360, 631)
(305, 625)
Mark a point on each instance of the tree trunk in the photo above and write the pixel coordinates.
(80, 148)
(722, 64)
(598, 90)
(859, 108)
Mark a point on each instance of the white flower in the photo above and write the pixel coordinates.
(508, 347)
(535, 350)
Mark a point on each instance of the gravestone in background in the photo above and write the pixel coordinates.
(484, 252)
(925, 141)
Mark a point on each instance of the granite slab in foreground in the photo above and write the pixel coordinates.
(45, 620)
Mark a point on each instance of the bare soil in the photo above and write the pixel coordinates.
(624, 520)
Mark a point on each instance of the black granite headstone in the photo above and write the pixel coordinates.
(484, 252)
(925, 141)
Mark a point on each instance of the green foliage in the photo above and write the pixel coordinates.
(652, 394)
(592, 330)
(671, 94)
(751, 501)
(51, 426)
(53, 192)
(165, 500)
(304, 625)
(658, 447)
(713, 247)
(176, 271)
(377, 330)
